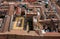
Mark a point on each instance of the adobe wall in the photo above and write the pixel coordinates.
(27, 37)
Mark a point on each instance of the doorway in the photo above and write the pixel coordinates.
(30, 22)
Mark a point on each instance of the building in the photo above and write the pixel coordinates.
(39, 16)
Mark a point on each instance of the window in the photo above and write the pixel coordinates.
(19, 22)
(1, 21)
